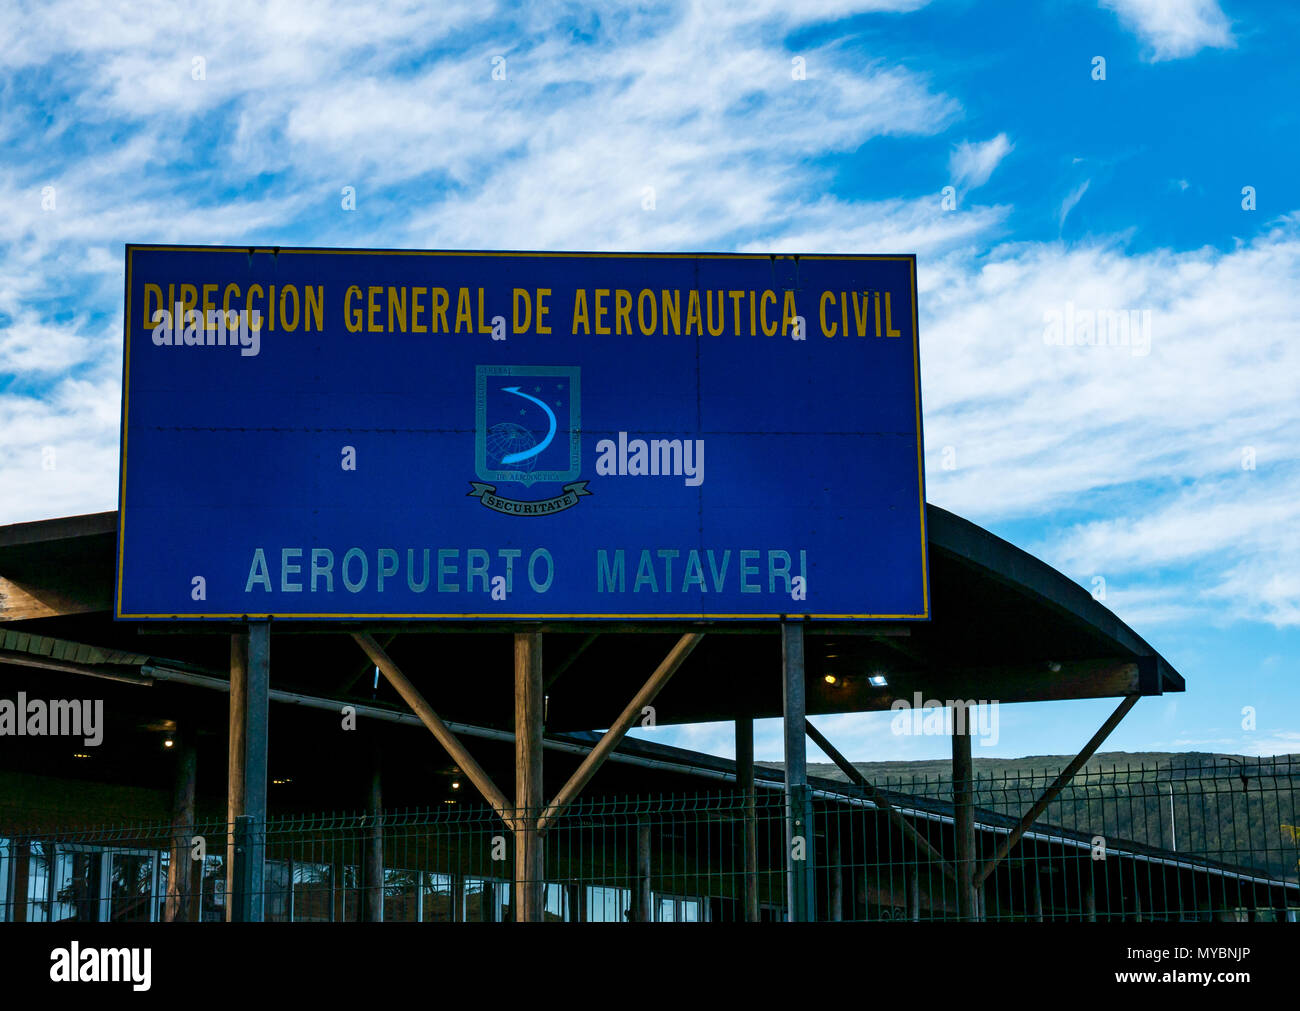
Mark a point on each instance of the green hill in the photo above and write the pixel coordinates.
(1234, 808)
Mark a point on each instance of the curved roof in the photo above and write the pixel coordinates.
(1005, 626)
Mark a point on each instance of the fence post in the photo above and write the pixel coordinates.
(799, 829)
(963, 811)
(242, 881)
(642, 895)
(749, 815)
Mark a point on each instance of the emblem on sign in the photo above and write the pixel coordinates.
(528, 430)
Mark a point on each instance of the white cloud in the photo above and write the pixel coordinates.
(1148, 449)
(1175, 28)
(1072, 200)
(971, 165)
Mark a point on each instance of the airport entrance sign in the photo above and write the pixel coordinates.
(341, 434)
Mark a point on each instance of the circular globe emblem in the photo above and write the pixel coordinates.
(506, 438)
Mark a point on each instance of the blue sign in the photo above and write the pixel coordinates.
(365, 434)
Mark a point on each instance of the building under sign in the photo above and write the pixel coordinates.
(370, 816)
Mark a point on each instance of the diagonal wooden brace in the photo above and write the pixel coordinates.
(473, 771)
(1058, 784)
(876, 797)
(618, 730)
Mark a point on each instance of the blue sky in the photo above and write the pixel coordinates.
(820, 126)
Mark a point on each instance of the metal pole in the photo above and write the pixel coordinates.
(257, 713)
(1173, 829)
(240, 901)
(963, 811)
(749, 816)
(798, 830)
(643, 895)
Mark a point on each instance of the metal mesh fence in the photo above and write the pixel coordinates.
(1213, 840)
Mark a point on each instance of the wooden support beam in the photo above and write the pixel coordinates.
(1005, 845)
(373, 859)
(25, 601)
(176, 905)
(527, 898)
(963, 804)
(877, 798)
(235, 756)
(460, 755)
(749, 816)
(618, 730)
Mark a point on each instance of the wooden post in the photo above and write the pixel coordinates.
(528, 777)
(963, 811)
(235, 755)
(749, 816)
(913, 895)
(1089, 901)
(836, 868)
(798, 834)
(1037, 908)
(176, 905)
(373, 867)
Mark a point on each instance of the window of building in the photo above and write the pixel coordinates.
(133, 886)
(76, 892)
(437, 899)
(71, 883)
(486, 900)
(555, 903)
(277, 892)
(313, 893)
(608, 905)
(401, 895)
(212, 902)
(6, 880)
(679, 908)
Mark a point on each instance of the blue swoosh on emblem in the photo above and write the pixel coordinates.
(550, 436)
